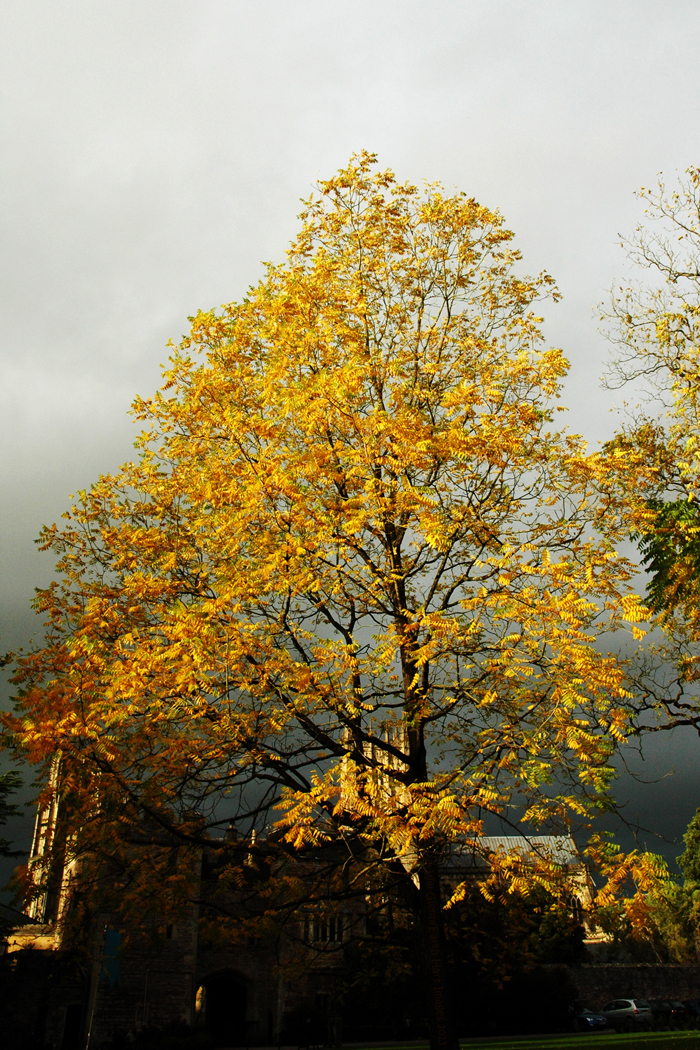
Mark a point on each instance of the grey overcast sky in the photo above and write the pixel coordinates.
(154, 151)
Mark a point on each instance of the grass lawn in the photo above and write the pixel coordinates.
(689, 1040)
(607, 1041)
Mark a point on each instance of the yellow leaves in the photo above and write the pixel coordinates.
(633, 609)
(618, 723)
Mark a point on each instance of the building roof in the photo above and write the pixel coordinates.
(561, 849)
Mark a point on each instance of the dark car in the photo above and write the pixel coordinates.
(668, 1011)
(660, 1009)
(587, 1020)
(692, 1006)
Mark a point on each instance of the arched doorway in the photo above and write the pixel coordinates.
(225, 1005)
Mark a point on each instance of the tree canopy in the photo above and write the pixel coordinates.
(657, 334)
(353, 585)
(655, 457)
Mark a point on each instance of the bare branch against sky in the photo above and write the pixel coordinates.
(154, 151)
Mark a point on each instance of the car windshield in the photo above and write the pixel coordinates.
(642, 1002)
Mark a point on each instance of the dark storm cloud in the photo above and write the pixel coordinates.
(154, 153)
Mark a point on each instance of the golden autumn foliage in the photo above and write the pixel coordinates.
(352, 586)
(654, 460)
(656, 331)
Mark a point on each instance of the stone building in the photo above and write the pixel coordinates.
(244, 994)
(253, 992)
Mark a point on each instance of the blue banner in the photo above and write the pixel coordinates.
(111, 965)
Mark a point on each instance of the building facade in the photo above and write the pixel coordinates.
(253, 991)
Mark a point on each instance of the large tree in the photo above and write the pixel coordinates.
(655, 457)
(352, 586)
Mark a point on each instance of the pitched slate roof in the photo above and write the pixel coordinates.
(559, 848)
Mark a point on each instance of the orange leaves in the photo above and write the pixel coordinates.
(636, 886)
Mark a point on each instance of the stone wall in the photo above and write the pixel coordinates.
(273, 984)
(597, 985)
(155, 987)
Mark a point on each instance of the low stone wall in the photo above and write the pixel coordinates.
(597, 985)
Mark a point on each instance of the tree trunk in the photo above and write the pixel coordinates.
(442, 1032)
